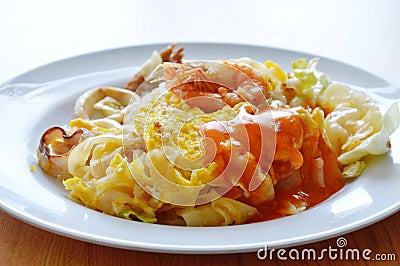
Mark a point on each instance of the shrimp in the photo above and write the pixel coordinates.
(228, 82)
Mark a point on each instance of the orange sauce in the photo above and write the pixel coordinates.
(304, 170)
(306, 192)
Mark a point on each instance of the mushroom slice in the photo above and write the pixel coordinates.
(104, 102)
(54, 149)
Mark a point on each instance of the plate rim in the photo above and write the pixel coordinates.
(39, 67)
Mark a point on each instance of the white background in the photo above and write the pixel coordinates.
(365, 34)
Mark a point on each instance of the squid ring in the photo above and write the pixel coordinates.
(54, 148)
(104, 102)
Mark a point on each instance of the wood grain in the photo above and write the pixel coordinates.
(23, 244)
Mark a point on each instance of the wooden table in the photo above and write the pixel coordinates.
(23, 244)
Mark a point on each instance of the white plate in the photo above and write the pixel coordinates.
(44, 97)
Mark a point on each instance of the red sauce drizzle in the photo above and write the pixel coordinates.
(304, 171)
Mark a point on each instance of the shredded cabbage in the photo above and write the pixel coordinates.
(354, 127)
(307, 82)
(378, 143)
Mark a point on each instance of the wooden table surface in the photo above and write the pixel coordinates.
(23, 244)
